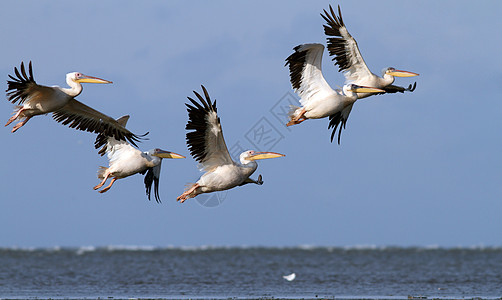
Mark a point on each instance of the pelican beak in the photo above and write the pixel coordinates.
(367, 89)
(89, 79)
(401, 73)
(265, 155)
(167, 154)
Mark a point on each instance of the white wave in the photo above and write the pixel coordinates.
(304, 247)
(54, 249)
(432, 247)
(85, 249)
(17, 248)
(307, 247)
(130, 248)
(364, 247)
(206, 248)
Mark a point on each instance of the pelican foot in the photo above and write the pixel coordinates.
(294, 122)
(298, 119)
(259, 181)
(18, 125)
(291, 123)
(183, 197)
(109, 186)
(16, 115)
(10, 121)
(411, 88)
(104, 190)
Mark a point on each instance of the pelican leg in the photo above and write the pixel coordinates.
(411, 88)
(109, 186)
(14, 117)
(102, 182)
(303, 118)
(20, 124)
(298, 119)
(187, 193)
(259, 181)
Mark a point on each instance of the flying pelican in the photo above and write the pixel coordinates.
(125, 160)
(35, 99)
(318, 99)
(207, 146)
(343, 47)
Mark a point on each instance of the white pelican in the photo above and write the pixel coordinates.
(318, 99)
(207, 146)
(35, 99)
(125, 160)
(343, 47)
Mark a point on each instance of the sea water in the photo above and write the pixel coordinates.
(240, 272)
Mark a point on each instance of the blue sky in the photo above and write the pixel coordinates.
(418, 169)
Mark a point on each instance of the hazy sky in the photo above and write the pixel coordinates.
(421, 169)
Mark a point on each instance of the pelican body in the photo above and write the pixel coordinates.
(343, 47)
(125, 160)
(207, 146)
(318, 99)
(228, 176)
(35, 99)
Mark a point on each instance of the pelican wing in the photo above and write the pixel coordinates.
(206, 142)
(305, 73)
(343, 47)
(23, 87)
(82, 117)
(339, 119)
(152, 177)
(108, 142)
(116, 149)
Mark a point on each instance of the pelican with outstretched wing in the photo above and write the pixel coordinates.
(207, 146)
(343, 47)
(125, 160)
(35, 99)
(318, 99)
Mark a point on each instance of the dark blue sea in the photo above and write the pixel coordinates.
(251, 273)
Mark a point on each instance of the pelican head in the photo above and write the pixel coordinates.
(252, 155)
(398, 73)
(81, 78)
(164, 154)
(354, 88)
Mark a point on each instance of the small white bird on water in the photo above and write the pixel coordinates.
(290, 277)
